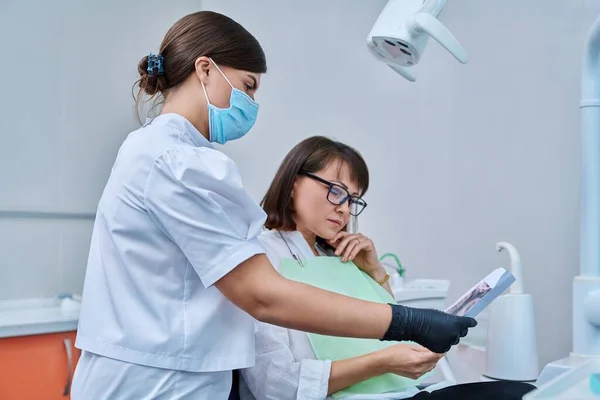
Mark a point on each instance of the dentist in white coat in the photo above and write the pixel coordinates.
(176, 276)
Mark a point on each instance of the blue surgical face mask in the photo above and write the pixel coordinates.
(231, 123)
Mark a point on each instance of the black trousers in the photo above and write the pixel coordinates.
(235, 383)
(479, 390)
(467, 391)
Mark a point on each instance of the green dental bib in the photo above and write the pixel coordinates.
(330, 273)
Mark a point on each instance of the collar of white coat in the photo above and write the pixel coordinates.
(183, 126)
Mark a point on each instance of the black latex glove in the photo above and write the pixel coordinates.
(433, 329)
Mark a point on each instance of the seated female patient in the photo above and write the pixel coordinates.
(317, 188)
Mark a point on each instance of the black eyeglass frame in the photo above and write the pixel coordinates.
(352, 199)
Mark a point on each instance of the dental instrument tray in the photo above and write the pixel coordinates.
(482, 294)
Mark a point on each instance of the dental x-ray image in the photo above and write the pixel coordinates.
(482, 294)
(468, 301)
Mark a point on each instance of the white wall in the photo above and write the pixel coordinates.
(465, 157)
(67, 70)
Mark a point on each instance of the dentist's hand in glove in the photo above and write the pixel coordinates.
(433, 329)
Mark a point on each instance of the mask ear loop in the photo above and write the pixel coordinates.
(205, 94)
(219, 69)
(207, 107)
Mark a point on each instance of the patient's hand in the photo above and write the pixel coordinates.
(358, 248)
(411, 361)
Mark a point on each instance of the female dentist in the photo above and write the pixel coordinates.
(176, 276)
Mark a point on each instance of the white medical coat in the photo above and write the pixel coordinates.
(286, 366)
(173, 219)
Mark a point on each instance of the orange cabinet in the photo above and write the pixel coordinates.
(37, 367)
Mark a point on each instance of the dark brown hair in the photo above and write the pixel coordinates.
(311, 155)
(204, 33)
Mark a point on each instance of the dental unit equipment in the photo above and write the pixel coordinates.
(511, 349)
(402, 30)
(580, 383)
(586, 286)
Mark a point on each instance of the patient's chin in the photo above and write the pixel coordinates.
(328, 233)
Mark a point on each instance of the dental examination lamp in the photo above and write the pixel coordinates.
(400, 34)
(586, 286)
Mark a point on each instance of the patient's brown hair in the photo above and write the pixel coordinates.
(311, 155)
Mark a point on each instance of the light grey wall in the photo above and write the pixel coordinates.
(467, 156)
(67, 70)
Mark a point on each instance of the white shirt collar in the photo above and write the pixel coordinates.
(181, 124)
(299, 245)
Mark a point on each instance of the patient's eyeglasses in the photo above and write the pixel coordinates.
(338, 194)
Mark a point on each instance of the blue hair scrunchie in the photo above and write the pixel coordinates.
(155, 61)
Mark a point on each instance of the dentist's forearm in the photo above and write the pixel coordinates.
(306, 308)
(257, 288)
